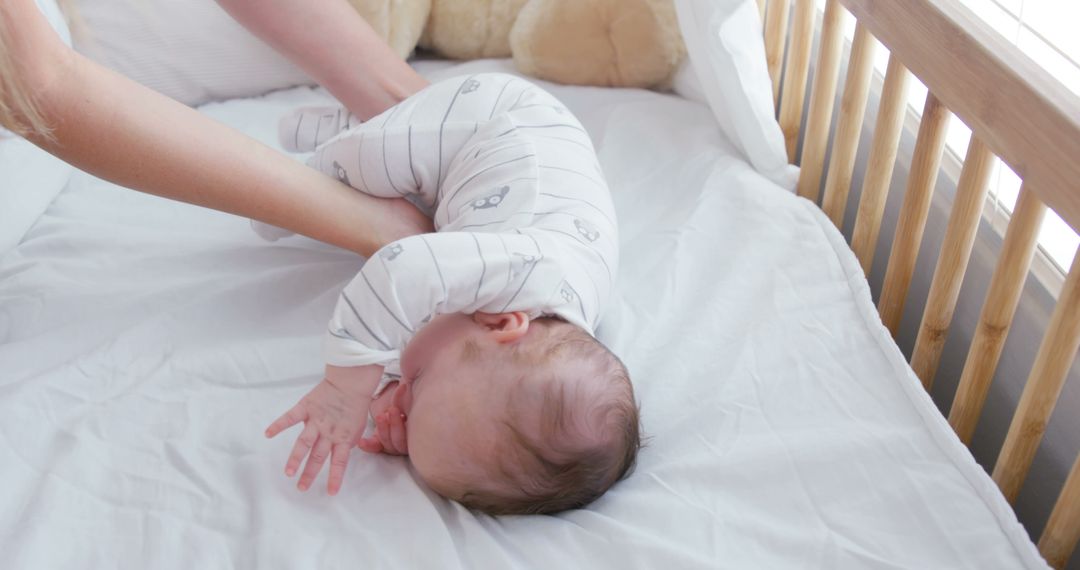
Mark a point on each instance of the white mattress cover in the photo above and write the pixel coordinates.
(145, 344)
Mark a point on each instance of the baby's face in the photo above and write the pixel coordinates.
(455, 405)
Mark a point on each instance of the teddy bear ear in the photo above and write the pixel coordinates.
(399, 23)
(471, 29)
(616, 43)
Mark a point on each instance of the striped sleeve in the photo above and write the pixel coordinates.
(411, 280)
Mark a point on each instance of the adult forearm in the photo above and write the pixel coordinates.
(116, 129)
(331, 42)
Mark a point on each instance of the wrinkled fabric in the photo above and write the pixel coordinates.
(145, 345)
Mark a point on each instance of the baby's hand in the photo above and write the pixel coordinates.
(389, 434)
(334, 415)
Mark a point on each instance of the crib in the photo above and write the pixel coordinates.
(976, 75)
(144, 343)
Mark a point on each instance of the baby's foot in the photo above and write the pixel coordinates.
(308, 127)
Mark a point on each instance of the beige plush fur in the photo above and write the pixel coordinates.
(622, 43)
(399, 22)
(471, 29)
(626, 43)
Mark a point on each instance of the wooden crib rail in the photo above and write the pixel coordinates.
(816, 137)
(1017, 112)
(1029, 119)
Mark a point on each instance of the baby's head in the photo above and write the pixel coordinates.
(508, 415)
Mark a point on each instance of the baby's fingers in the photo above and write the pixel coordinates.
(339, 460)
(286, 421)
(390, 428)
(315, 462)
(300, 448)
(397, 431)
(370, 445)
(382, 431)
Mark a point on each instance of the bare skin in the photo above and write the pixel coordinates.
(116, 129)
(335, 46)
(334, 413)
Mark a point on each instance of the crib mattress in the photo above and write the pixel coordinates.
(145, 344)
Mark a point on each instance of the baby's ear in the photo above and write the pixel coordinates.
(503, 327)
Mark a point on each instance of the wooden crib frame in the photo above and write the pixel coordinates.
(1016, 111)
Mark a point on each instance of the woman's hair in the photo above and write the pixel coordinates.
(19, 112)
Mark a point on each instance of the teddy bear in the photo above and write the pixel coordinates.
(614, 43)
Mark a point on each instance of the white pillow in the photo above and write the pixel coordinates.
(31, 177)
(727, 57)
(190, 50)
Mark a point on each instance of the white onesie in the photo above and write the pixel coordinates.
(523, 216)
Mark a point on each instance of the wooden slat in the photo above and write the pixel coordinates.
(1022, 112)
(909, 229)
(997, 313)
(879, 169)
(816, 138)
(1063, 527)
(1056, 354)
(952, 263)
(761, 9)
(849, 125)
(795, 74)
(776, 23)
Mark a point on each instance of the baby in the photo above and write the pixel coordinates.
(472, 347)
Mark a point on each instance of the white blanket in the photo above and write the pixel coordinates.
(145, 344)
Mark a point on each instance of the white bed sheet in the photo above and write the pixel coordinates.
(145, 344)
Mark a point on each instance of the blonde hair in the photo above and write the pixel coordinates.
(19, 111)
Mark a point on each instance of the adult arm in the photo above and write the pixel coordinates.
(118, 130)
(335, 45)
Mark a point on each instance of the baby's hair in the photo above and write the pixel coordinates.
(573, 458)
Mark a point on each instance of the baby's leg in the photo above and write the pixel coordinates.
(308, 127)
(407, 150)
(303, 130)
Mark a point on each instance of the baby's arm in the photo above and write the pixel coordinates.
(405, 151)
(334, 414)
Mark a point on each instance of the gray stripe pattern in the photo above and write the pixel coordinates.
(411, 167)
(564, 139)
(450, 197)
(443, 123)
(506, 252)
(435, 260)
(483, 268)
(360, 163)
(553, 125)
(539, 257)
(492, 193)
(572, 171)
(383, 303)
(497, 99)
(579, 200)
(356, 313)
(579, 239)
